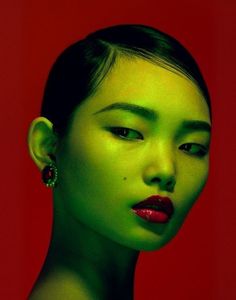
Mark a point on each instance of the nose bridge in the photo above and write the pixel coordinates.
(161, 165)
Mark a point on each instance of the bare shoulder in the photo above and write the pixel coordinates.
(59, 287)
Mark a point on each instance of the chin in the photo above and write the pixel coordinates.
(150, 244)
(154, 246)
(155, 240)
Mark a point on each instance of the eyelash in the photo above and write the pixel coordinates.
(122, 132)
(201, 150)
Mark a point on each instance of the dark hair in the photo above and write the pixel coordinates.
(81, 67)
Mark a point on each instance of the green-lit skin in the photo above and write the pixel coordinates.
(101, 176)
(103, 173)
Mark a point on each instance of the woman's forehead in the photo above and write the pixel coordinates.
(141, 82)
(139, 76)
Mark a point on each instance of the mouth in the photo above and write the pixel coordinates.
(155, 209)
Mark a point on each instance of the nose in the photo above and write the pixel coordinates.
(160, 169)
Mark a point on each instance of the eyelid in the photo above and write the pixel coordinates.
(115, 130)
(201, 152)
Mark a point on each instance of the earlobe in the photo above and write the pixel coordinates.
(42, 142)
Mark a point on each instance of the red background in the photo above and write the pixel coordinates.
(200, 262)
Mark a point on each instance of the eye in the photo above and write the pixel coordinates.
(194, 149)
(126, 133)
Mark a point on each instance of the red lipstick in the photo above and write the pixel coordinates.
(155, 209)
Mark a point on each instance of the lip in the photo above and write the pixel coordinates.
(155, 209)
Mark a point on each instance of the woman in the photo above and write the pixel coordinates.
(123, 140)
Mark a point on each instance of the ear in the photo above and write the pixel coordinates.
(42, 142)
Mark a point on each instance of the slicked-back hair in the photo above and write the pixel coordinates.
(81, 68)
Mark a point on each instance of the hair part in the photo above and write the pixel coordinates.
(81, 68)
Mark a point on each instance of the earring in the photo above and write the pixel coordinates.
(49, 175)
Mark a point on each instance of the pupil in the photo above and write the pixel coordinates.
(125, 132)
(188, 147)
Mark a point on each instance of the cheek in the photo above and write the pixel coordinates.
(192, 181)
(82, 172)
(90, 175)
(92, 191)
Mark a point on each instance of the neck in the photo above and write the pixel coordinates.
(84, 257)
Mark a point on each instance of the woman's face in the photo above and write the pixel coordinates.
(144, 133)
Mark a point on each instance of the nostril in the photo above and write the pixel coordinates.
(156, 180)
(163, 181)
(170, 184)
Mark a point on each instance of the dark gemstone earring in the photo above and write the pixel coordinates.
(49, 175)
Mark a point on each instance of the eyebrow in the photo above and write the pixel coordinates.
(141, 111)
(196, 125)
(150, 114)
